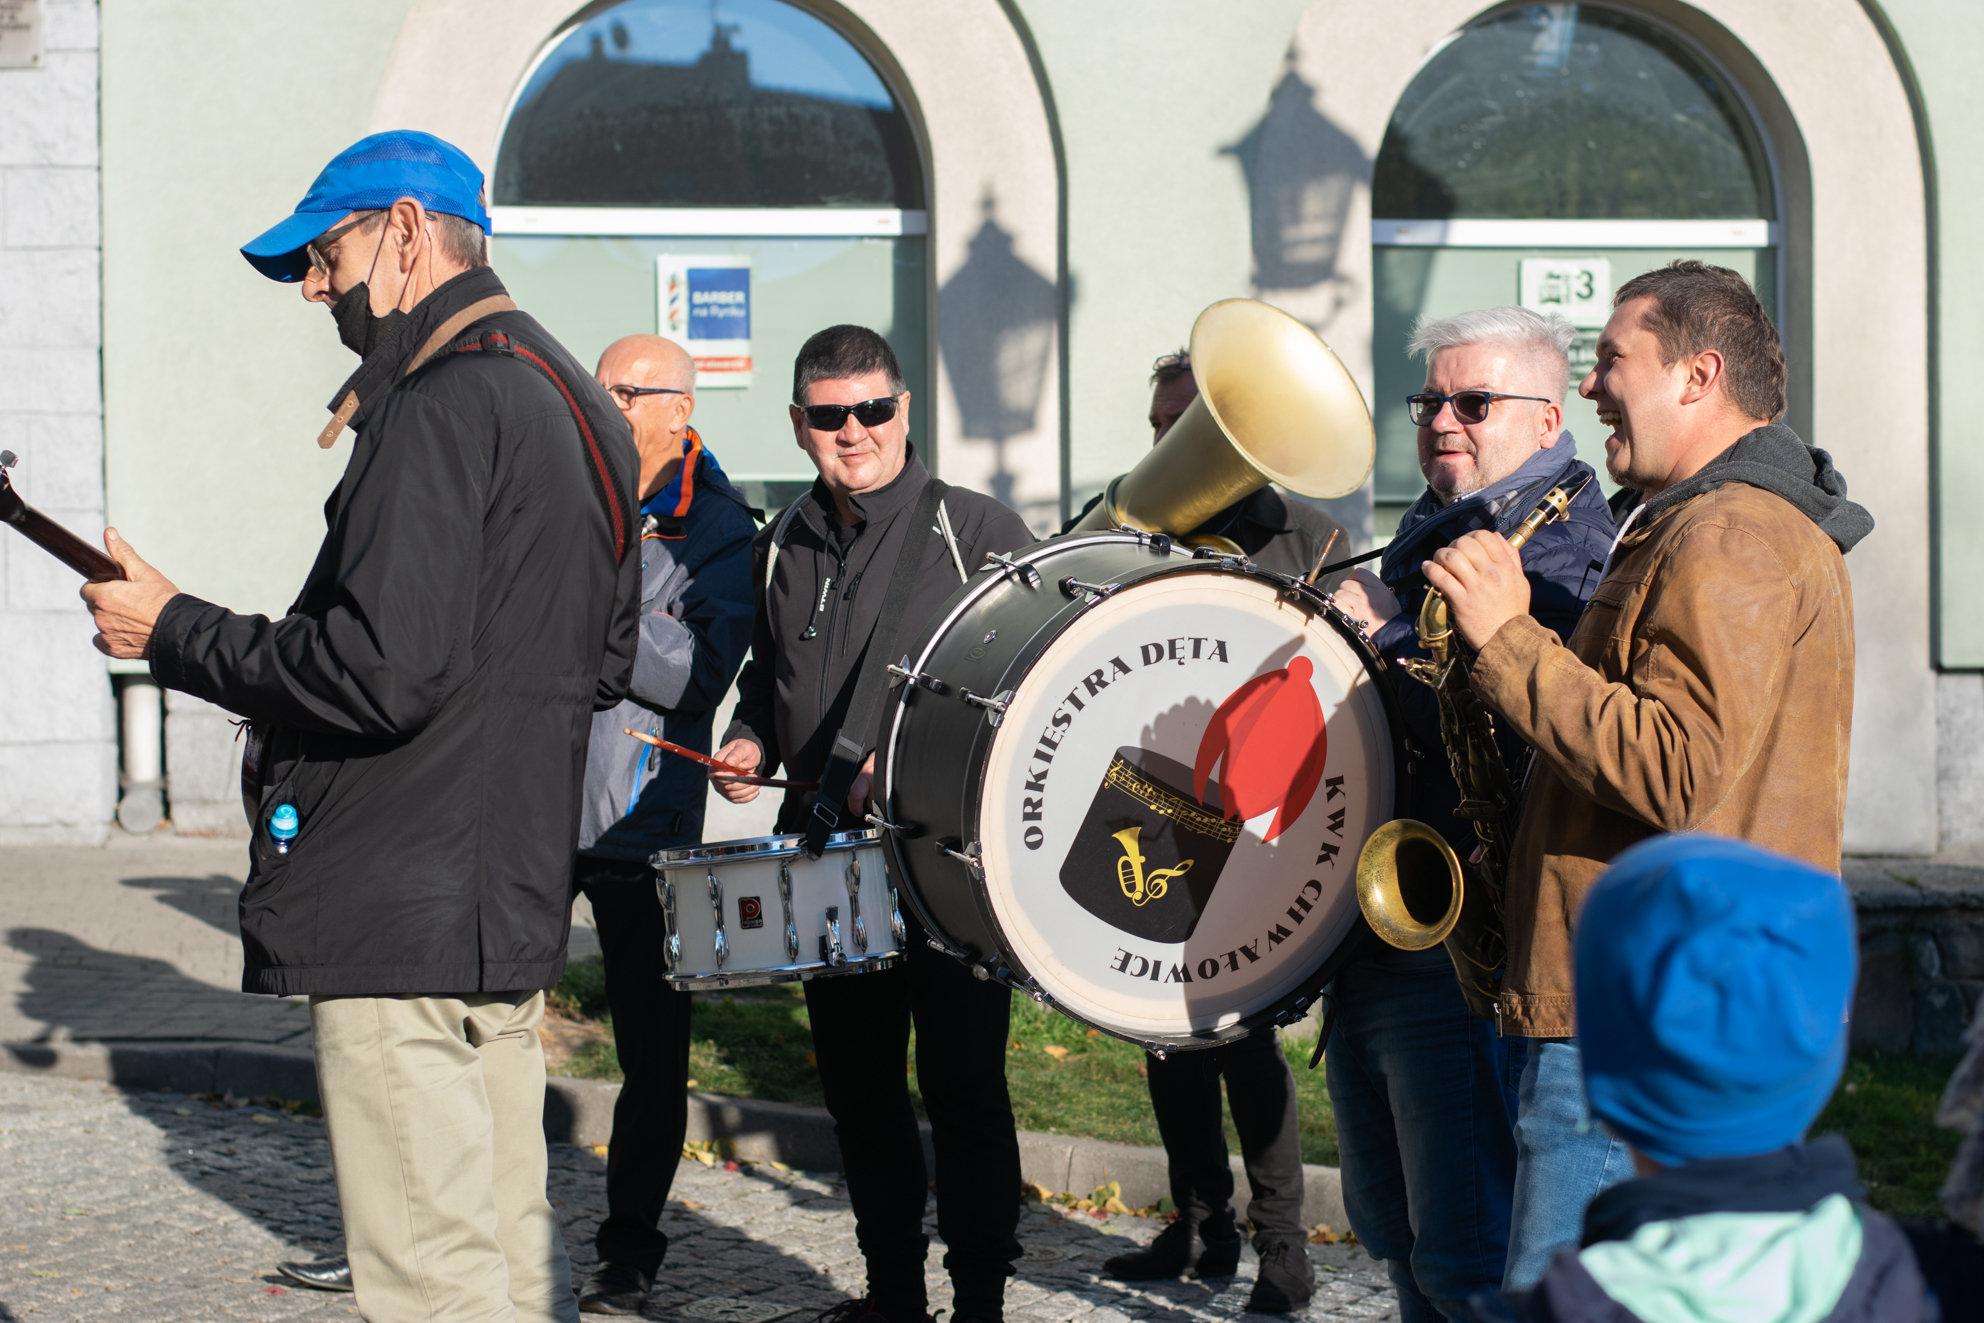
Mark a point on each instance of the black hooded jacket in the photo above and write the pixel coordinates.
(809, 643)
(431, 691)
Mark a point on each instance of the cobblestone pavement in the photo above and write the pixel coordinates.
(156, 1206)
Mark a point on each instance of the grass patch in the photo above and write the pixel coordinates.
(758, 1043)
(1886, 1106)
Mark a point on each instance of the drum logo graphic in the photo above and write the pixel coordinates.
(750, 914)
(1157, 834)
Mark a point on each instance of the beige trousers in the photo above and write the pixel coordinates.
(436, 1113)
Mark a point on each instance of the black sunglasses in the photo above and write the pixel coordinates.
(833, 417)
(1470, 406)
(318, 249)
(628, 394)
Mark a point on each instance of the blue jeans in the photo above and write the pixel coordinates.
(1425, 1099)
(1564, 1159)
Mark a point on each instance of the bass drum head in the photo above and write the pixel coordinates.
(1173, 804)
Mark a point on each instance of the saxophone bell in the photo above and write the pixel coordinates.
(1409, 885)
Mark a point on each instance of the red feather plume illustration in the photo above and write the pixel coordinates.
(1270, 735)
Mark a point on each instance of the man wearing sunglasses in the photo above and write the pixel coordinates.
(421, 713)
(695, 555)
(1425, 1094)
(822, 573)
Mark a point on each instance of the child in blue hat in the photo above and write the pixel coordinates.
(1714, 981)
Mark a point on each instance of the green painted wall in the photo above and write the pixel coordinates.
(216, 117)
(1943, 41)
(1152, 103)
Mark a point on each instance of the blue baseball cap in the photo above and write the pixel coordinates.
(1713, 983)
(371, 174)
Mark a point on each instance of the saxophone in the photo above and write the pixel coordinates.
(1410, 884)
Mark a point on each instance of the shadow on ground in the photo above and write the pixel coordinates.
(213, 900)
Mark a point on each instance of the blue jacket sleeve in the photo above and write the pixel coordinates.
(689, 653)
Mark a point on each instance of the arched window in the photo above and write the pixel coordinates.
(668, 160)
(1570, 112)
(1542, 156)
(663, 103)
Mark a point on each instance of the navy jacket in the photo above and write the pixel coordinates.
(695, 627)
(1563, 563)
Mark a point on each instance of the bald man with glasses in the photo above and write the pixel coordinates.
(696, 611)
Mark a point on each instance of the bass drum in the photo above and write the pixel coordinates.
(1132, 782)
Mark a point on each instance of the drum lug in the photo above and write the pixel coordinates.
(897, 928)
(831, 952)
(902, 673)
(853, 876)
(1013, 569)
(937, 945)
(785, 900)
(1074, 587)
(995, 706)
(722, 943)
(671, 947)
(969, 857)
(899, 828)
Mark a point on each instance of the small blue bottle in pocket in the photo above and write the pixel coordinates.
(282, 827)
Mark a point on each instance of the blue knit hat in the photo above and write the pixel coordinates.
(1713, 983)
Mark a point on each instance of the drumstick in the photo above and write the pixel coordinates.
(730, 772)
(1323, 557)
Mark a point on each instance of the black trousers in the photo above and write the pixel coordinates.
(861, 1026)
(651, 1032)
(1184, 1092)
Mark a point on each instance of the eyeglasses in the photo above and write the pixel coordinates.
(628, 394)
(1470, 406)
(317, 249)
(833, 417)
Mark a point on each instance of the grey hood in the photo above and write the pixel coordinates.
(1774, 459)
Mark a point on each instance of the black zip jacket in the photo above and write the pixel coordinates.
(431, 690)
(794, 692)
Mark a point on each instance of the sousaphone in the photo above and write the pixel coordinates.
(1274, 405)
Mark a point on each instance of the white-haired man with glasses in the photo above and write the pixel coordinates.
(1425, 1094)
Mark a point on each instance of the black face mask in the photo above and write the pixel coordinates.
(359, 327)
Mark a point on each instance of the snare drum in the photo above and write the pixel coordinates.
(1133, 782)
(743, 913)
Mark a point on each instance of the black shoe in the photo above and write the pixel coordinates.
(1218, 1258)
(1287, 1280)
(1166, 1257)
(615, 1288)
(323, 1275)
(860, 1310)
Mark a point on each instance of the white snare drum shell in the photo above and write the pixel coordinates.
(757, 912)
(1135, 904)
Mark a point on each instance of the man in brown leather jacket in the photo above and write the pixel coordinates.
(1708, 686)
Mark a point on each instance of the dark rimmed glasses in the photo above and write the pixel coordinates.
(1470, 406)
(318, 249)
(628, 394)
(833, 417)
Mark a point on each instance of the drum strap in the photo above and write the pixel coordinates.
(849, 747)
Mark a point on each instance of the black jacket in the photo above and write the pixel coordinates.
(432, 688)
(794, 692)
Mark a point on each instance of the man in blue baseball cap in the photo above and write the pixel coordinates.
(419, 727)
(1714, 980)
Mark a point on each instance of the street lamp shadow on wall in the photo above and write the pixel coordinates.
(809, 159)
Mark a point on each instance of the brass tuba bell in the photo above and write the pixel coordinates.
(1274, 405)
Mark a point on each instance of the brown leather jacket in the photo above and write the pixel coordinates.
(1708, 687)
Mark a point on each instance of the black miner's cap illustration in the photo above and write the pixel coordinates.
(1148, 855)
